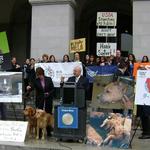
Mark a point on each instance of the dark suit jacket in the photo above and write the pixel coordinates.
(44, 96)
(82, 83)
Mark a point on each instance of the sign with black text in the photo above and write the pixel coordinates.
(106, 32)
(13, 131)
(106, 49)
(106, 18)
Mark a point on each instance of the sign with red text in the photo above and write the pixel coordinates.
(106, 49)
(142, 92)
(106, 19)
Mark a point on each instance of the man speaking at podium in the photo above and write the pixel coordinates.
(81, 81)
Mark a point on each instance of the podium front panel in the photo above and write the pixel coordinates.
(70, 133)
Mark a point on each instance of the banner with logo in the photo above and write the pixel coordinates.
(92, 71)
(57, 70)
(78, 45)
(68, 117)
(142, 93)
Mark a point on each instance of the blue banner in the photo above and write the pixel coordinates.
(92, 71)
(68, 117)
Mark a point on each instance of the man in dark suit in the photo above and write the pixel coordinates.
(81, 81)
(44, 91)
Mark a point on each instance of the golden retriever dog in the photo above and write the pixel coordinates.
(30, 113)
(43, 120)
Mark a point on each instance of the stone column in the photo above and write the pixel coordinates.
(141, 28)
(52, 27)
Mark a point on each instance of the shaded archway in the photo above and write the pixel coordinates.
(86, 20)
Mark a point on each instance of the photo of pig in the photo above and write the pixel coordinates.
(109, 129)
(114, 95)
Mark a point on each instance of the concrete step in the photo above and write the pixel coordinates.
(49, 144)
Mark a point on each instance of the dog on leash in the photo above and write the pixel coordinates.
(43, 121)
(30, 113)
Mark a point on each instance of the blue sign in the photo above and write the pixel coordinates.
(68, 117)
(92, 71)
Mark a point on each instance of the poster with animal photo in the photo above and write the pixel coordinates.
(142, 92)
(109, 129)
(113, 95)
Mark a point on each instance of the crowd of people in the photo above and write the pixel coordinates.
(33, 78)
(89, 60)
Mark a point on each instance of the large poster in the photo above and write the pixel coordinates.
(56, 70)
(11, 87)
(113, 95)
(109, 129)
(142, 93)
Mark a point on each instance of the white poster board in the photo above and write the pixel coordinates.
(106, 32)
(142, 92)
(56, 70)
(106, 18)
(13, 131)
(11, 87)
(106, 49)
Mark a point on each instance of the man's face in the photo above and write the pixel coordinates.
(76, 72)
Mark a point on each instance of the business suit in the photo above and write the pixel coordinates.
(81, 83)
(44, 95)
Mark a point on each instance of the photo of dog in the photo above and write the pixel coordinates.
(109, 129)
(118, 127)
(113, 95)
(30, 113)
(43, 121)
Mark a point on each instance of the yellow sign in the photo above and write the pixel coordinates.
(77, 45)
